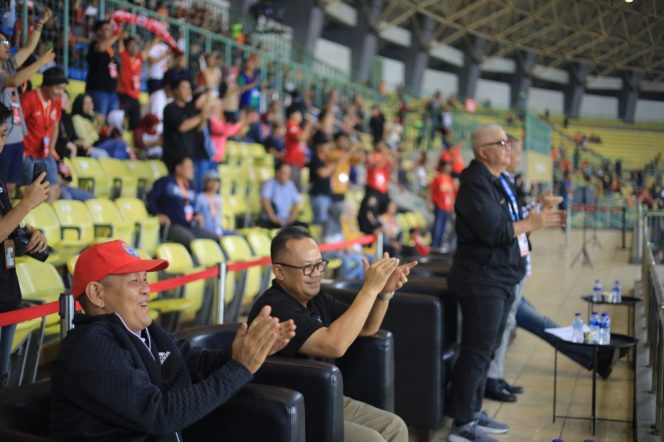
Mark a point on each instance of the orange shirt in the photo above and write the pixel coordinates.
(130, 74)
(443, 192)
(40, 119)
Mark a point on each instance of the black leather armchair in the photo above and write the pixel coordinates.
(257, 412)
(368, 369)
(417, 324)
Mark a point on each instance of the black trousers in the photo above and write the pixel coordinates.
(132, 108)
(484, 313)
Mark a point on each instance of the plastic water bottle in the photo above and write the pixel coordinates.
(597, 291)
(605, 329)
(577, 328)
(617, 293)
(593, 323)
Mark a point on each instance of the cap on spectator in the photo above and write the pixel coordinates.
(211, 175)
(54, 76)
(110, 258)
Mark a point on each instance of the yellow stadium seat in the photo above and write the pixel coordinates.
(77, 226)
(23, 330)
(208, 253)
(41, 282)
(237, 206)
(237, 249)
(124, 183)
(306, 212)
(180, 263)
(146, 227)
(44, 218)
(260, 242)
(142, 170)
(91, 177)
(158, 168)
(108, 221)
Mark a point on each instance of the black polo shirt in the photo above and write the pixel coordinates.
(321, 311)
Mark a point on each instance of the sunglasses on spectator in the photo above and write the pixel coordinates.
(500, 143)
(307, 269)
(4, 43)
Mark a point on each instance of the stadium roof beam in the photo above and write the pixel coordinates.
(608, 35)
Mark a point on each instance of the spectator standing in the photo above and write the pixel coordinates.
(12, 83)
(221, 130)
(42, 107)
(379, 169)
(183, 123)
(377, 124)
(295, 143)
(131, 71)
(232, 95)
(247, 82)
(321, 168)
(443, 191)
(280, 199)
(158, 58)
(487, 265)
(210, 76)
(102, 80)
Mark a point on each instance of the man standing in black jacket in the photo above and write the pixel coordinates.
(119, 376)
(488, 263)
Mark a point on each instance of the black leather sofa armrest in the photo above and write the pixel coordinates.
(368, 370)
(416, 322)
(320, 383)
(257, 412)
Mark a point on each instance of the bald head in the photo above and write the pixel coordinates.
(484, 133)
(491, 147)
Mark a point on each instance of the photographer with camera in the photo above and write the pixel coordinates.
(30, 240)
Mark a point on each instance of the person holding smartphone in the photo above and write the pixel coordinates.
(10, 217)
(43, 108)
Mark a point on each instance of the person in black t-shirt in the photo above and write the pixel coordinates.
(102, 80)
(10, 217)
(327, 327)
(377, 124)
(184, 120)
(320, 171)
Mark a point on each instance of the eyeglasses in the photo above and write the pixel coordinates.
(307, 269)
(504, 144)
(4, 43)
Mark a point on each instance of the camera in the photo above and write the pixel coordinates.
(21, 239)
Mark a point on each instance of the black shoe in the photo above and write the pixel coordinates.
(495, 390)
(516, 389)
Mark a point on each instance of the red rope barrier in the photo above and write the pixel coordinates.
(592, 208)
(37, 311)
(29, 313)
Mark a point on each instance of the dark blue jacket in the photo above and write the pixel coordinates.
(107, 385)
(166, 198)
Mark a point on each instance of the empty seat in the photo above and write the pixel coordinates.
(75, 220)
(41, 282)
(237, 249)
(91, 177)
(108, 221)
(146, 227)
(124, 183)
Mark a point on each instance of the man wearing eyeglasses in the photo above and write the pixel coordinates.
(327, 327)
(488, 264)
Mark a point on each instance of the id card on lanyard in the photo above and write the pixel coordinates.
(514, 213)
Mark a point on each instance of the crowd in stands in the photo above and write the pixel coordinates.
(320, 152)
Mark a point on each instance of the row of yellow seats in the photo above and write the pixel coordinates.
(70, 226)
(412, 220)
(111, 178)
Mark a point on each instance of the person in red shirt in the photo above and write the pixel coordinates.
(295, 144)
(443, 193)
(129, 86)
(452, 154)
(379, 170)
(42, 108)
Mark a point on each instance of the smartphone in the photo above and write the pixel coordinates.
(48, 46)
(39, 167)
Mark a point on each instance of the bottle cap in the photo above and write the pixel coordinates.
(605, 314)
(594, 313)
(577, 314)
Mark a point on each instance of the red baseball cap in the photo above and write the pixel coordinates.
(110, 258)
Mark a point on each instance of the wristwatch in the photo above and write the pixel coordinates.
(385, 296)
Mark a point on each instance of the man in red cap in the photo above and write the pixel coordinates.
(119, 376)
